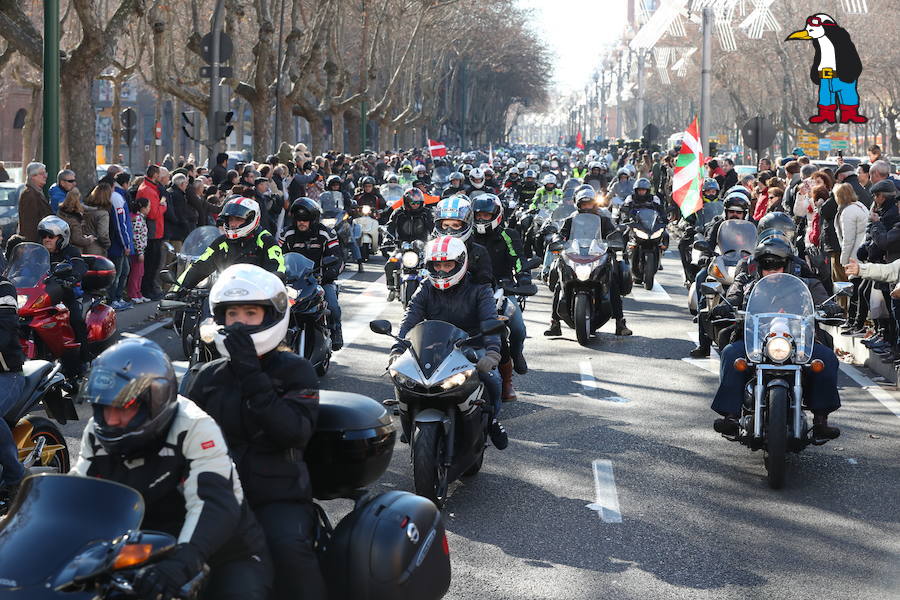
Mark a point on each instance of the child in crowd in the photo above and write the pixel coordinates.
(139, 208)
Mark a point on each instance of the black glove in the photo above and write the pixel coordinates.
(176, 295)
(721, 311)
(833, 310)
(241, 350)
(165, 578)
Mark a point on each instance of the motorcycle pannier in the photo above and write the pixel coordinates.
(352, 445)
(100, 274)
(391, 547)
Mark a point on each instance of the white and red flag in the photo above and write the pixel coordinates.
(688, 177)
(436, 148)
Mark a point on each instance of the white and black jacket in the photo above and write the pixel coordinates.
(11, 356)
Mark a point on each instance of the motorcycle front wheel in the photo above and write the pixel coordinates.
(776, 436)
(44, 428)
(429, 473)
(582, 318)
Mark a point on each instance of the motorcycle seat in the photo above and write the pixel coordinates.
(34, 372)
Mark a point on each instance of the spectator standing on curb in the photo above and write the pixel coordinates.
(155, 231)
(33, 205)
(65, 181)
(121, 242)
(96, 213)
(71, 210)
(139, 208)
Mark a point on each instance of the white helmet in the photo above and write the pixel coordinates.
(419, 169)
(442, 249)
(248, 284)
(243, 208)
(632, 170)
(476, 178)
(548, 178)
(521, 165)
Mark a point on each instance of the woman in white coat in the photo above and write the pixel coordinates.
(850, 226)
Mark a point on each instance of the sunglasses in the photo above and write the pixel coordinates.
(771, 264)
(817, 22)
(69, 180)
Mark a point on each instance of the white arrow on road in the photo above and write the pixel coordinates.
(607, 503)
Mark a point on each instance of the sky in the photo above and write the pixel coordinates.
(577, 31)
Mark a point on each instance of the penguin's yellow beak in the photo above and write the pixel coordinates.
(799, 35)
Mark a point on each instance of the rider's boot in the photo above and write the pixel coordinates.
(508, 394)
(337, 338)
(822, 430)
(554, 330)
(622, 328)
(728, 425)
(359, 266)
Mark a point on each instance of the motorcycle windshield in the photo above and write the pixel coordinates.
(69, 510)
(441, 175)
(736, 239)
(331, 203)
(780, 305)
(594, 184)
(27, 265)
(585, 228)
(433, 341)
(198, 241)
(710, 211)
(392, 192)
(561, 212)
(648, 219)
(297, 267)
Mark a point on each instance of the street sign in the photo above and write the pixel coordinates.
(226, 47)
(758, 133)
(206, 71)
(824, 145)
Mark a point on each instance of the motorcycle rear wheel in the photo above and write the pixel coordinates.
(776, 436)
(365, 250)
(429, 474)
(582, 319)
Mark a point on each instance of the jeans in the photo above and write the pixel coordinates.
(492, 386)
(819, 389)
(11, 385)
(834, 91)
(116, 289)
(331, 299)
(290, 529)
(516, 326)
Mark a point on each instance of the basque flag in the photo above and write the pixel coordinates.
(436, 148)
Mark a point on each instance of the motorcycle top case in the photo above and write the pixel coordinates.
(352, 445)
(100, 274)
(391, 547)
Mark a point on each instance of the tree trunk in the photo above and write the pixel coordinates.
(262, 128)
(351, 118)
(116, 85)
(78, 130)
(385, 135)
(31, 131)
(337, 131)
(316, 135)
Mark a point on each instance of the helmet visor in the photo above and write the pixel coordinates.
(108, 387)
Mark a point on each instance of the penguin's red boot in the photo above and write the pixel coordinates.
(827, 114)
(849, 114)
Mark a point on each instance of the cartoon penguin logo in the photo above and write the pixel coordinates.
(835, 69)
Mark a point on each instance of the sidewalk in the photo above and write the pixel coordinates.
(860, 355)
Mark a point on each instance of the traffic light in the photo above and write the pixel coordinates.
(713, 148)
(223, 124)
(129, 125)
(190, 124)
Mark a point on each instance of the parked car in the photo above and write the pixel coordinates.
(9, 207)
(745, 170)
(101, 170)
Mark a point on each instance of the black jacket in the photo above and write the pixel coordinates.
(180, 217)
(451, 191)
(481, 268)
(827, 214)
(72, 255)
(408, 226)
(466, 305)
(267, 419)
(315, 244)
(884, 243)
(11, 356)
(606, 225)
(259, 248)
(731, 180)
(506, 251)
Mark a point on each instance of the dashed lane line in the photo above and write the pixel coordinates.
(607, 497)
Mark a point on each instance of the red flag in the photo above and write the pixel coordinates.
(579, 141)
(436, 148)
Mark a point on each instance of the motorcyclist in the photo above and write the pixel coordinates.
(12, 383)
(549, 196)
(453, 297)
(456, 185)
(641, 197)
(454, 217)
(821, 393)
(67, 269)
(411, 222)
(579, 171)
(736, 208)
(623, 185)
(508, 263)
(490, 182)
(529, 187)
(266, 401)
(244, 241)
(144, 435)
(421, 175)
(512, 181)
(334, 184)
(406, 174)
(368, 195)
(585, 202)
(595, 174)
(477, 183)
(308, 236)
(709, 191)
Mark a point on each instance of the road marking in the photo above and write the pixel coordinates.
(592, 386)
(886, 399)
(607, 504)
(147, 330)
(852, 461)
(657, 293)
(373, 303)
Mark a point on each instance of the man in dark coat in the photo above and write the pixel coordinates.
(33, 205)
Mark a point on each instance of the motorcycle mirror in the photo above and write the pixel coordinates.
(701, 245)
(470, 354)
(556, 247)
(165, 305)
(708, 289)
(380, 326)
(492, 326)
(843, 289)
(166, 276)
(330, 260)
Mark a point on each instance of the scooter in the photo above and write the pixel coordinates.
(45, 330)
(441, 401)
(367, 221)
(41, 445)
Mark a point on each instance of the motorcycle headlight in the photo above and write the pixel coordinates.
(366, 209)
(455, 380)
(21, 299)
(330, 223)
(778, 349)
(656, 234)
(400, 379)
(410, 260)
(291, 292)
(583, 272)
(640, 234)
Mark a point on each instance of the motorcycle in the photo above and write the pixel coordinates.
(392, 193)
(736, 240)
(191, 320)
(584, 270)
(335, 217)
(644, 248)
(441, 179)
(410, 256)
(45, 331)
(308, 333)
(441, 401)
(689, 233)
(367, 221)
(779, 326)
(41, 445)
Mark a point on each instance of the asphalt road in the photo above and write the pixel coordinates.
(614, 483)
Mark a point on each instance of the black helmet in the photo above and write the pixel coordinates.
(778, 221)
(332, 180)
(773, 253)
(487, 203)
(367, 179)
(306, 209)
(738, 189)
(133, 371)
(735, 201)
(642, 184)
(413, 199)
